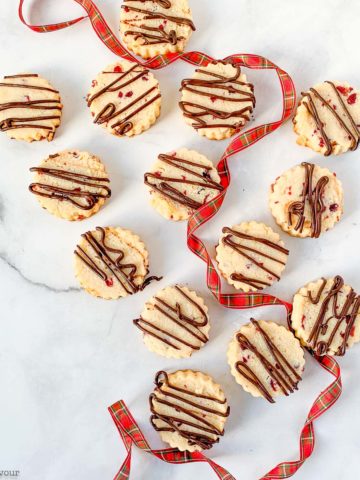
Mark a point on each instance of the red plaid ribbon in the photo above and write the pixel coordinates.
(131, 434)
(128, 429)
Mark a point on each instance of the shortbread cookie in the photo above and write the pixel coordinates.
(71, 184)
(112, 263)
(153, 27)
(328, 118)
(30, 108)
(306, 200)
(174, 322)
(188, 409)
(181, 182)
(266, 359)
(217, 101)
(125, 98)
(251, 256)
(326, 316)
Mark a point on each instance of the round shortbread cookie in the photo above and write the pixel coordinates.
(328, 118)
(72, 185)
(174, 322)
(306, 200)
(125, 99)
(111, 263)
(181, 182)
(189, 410)
(266, 359)
(217, 101)
(30, 108)
(153, 27)
(251, 256)
(326, 316)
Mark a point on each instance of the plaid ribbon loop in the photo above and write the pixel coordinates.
(131, 434)
(125, 423)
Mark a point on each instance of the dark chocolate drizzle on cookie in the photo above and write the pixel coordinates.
(314, 197)
(245, 251)
(232, 85)
(328, 310)
(151, 38)
(173, 313)
(14, 123)
(109, 111)
(154, 35)
(280, 371)
(203, 433)
(89, 197)
(354, 134)
(164, 186)
(124, 273)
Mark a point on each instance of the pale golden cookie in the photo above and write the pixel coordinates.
(125, 99)
(326, 316)
(30, 108)
(251, 256)
(174, 322)
(306, 200)
(153, 27)
(217, 101)
(111, 263)
(266, 359)
(180, 182)
(72, 185)
(328, 118)
(188, 409)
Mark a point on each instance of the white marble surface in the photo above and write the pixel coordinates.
(65, 356)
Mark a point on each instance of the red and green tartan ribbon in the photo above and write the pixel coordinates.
(207, 211)
(132, 435)
(128, 429)
(107, 36)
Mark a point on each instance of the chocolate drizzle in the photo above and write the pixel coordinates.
(173, 313)
(279, 370)
(52, 105)
(154, 35)
(152, 39)
(202, 432)
(314, 197)
(124, 273)
(353, 132)
(163, 185)
(109, 111)
(245, 250)
(90, 198)
(328, 310)
(204, 116)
